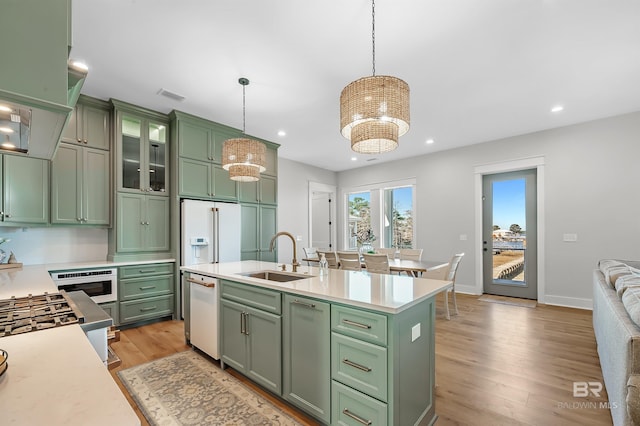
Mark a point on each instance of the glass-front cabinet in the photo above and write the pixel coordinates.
(143, 160)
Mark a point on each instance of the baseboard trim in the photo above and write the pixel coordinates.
(569, 302)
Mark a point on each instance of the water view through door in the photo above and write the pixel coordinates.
(509, 234)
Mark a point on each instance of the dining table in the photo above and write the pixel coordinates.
(410, 267)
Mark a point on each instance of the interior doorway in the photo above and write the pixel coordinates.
(509, 234)
(322, 213)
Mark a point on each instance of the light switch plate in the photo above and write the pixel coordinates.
(415, 332)
(570, 237)
(463, 237)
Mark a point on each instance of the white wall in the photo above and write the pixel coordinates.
(55, 245)
(591, 176)
(293, 203)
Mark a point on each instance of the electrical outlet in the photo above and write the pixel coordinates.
(570, 237)
(415, 332)
(298, 237)
(463, 237)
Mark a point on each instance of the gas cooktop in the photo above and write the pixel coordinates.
(32, 313)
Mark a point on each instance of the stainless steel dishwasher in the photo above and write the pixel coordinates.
(203, 296)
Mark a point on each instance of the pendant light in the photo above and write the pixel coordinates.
(374, 111)
(244, 158)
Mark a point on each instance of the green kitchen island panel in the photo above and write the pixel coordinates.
(356, 347)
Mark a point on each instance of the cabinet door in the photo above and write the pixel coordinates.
(306, 358)
(157, 224)
(223, 187)
(272, 162)
(130, 219)
(268, 226)
(194, 178)
(233, 342)
(95, 127)
(96, 179)
(249, 233)
(66, 185)
(131, 155)
(248, 192)
(26, 189)
(70, 131)
(264, 332)
(157, 158)
(194, 141)
(268, 190)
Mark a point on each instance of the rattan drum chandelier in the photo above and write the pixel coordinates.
(374, 111)
(244, 158)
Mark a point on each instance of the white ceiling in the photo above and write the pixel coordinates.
(478, 69)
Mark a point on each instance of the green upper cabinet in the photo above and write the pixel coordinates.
(89, 124)
(35, 61)
(25, 190)
(272, 161)
(142, 150)
(80, 181)
(259, 224)
(199, 179)
(200, 139)
(143, 223)
(263, 191)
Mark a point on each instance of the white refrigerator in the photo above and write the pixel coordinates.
(209, 233)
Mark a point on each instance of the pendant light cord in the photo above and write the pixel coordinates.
(373, 34)
(244, 108)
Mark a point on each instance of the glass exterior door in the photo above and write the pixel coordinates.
(509, 234)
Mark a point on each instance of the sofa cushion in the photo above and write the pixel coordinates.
(631, 302)
(633, 398)
(626, 281)
(612, 273)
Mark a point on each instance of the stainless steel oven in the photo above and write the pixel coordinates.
(99, 284)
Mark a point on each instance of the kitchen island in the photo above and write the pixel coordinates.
(55, 376)
(347, 347)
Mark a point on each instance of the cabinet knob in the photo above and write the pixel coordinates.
(79, 219)
(79, 140)
(142, 223)
(7, 215)
(146, 223)
(85, 141)
(84, 219)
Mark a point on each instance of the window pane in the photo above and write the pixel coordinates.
(398, 217)
(359, 219)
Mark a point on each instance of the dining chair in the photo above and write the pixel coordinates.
(331, 257)
(448, 275)
(411, 254)
(310, 253)
(377, 263)
(349, 260)
(390, 252)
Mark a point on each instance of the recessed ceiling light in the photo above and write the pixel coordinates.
(80, 65)
(5, 108)
(6, 130)
(282, 133)
(430, 141)
(354, 158)
(557, 108)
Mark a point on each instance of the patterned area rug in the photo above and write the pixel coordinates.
(187, 389)
(527, 303)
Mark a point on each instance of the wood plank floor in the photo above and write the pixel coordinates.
(496, 364)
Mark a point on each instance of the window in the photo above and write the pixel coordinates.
(380, 215)
(398, 217)
(359, 220)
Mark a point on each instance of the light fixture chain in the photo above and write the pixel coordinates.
(373, 34)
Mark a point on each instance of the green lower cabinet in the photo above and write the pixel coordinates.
(307, 355)
(111, 308)
(145, 309)
(145, 292)
(352, 408)
(251, 343)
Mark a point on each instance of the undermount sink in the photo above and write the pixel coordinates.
(276, 276)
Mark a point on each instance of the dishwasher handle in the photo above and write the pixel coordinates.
(202, 283)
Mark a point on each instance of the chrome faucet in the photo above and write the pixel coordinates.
(294, 262)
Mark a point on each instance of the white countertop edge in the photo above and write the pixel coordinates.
(431, 287)
(101, 264)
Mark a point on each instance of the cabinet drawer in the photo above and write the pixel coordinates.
(350, 407)
(135, 288)
(135, 271)
(153, 307)
(359, 324)
(358, 364)
(266, 300)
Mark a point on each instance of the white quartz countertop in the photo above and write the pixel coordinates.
(379, 292)
(55, 377)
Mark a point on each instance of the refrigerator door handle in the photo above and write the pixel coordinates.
(216, 234)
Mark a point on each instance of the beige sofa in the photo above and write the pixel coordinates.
(616, 323)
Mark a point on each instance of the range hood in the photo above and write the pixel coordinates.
(33, 126)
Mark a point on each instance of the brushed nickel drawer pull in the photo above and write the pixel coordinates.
(152, 308)
(142, 271)
(308, 305)
(358, 366)
(356, 324)
(358, 419)
(147, 287)
(241, 322)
